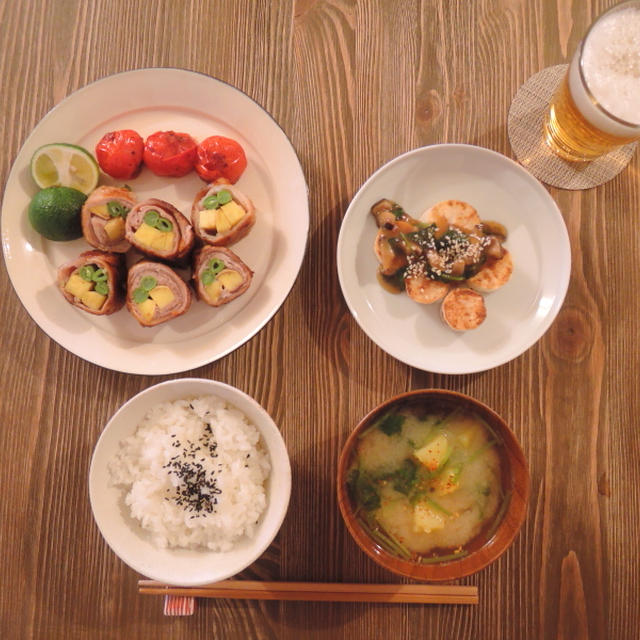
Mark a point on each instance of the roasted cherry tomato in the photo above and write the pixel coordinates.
(220, 157)
(168, 153)
(119, 153)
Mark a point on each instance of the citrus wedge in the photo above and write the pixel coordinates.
(64, 165)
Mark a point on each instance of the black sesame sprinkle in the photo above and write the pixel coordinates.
(196, 490)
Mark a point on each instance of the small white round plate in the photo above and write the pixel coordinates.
(518, 314)
(149, 100)
(132, 544)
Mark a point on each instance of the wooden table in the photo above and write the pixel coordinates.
(352, 84)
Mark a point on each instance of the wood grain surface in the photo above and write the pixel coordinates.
(353, 83)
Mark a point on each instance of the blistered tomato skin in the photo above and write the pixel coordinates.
(220, 157)
(119, 153)
(168, 153)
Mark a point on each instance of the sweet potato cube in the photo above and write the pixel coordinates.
(207, 219)
(100, 210)
(92, 299)
(76, 286)
(161, 295)
(229, 279)
(147, 309)
(115, 228)
(146, 234)
(233, 212)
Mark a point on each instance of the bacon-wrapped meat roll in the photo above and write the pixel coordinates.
(219, 275)
(103, 218)
(156, 293)
(158, 229)
(93, 282)
(221, 214)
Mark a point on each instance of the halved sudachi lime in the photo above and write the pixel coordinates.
(64, 165)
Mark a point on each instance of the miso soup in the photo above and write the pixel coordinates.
(425, 484)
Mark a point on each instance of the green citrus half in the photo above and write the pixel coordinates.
(64, 165)
(55, 213)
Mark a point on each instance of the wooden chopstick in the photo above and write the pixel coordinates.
(319, 592)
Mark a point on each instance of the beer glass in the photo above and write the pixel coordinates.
(596, 109)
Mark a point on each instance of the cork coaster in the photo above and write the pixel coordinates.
(524, 124)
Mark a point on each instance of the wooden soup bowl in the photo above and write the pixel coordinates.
(481, 551)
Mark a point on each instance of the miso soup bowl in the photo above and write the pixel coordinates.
(480, 551)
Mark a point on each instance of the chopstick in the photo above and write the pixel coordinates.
(319, 592)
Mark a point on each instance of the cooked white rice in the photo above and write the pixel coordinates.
(194, 473)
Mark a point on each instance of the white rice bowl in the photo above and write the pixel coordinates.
(119, 453)
(194, 473)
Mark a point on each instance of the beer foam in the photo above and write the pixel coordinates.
(611, 63)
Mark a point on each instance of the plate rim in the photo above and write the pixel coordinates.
(561, 289)
(153, 367)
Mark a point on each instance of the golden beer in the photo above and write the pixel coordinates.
(596, 109)
(572, 136)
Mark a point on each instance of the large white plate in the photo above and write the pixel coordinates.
(149, 100)
(518, 314)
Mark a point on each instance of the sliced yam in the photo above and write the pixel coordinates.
(389, 260)
(457, 213)
(494, 274)
(425, 290)
(463, 309)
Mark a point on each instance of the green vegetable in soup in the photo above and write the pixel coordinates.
(446, 558)
(404, 478)
(362, 490)
(437, 506)
(385, 539)
(391, 424)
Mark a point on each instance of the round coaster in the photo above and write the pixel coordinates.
(526, 117)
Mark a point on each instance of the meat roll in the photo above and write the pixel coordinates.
(156, 293)
(103, 218)
(93, 282)
(221, 214)
(219, 275)
(158, 229)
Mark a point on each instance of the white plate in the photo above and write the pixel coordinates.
(149, 100)
(518, 314)
(132, 544)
